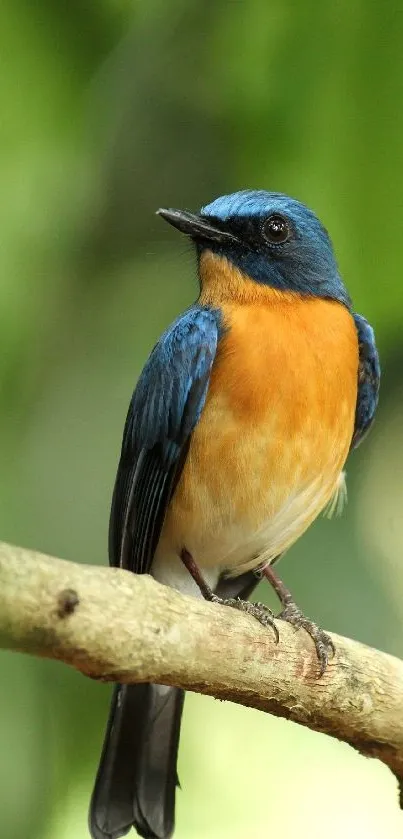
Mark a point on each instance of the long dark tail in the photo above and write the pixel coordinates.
(136, 780)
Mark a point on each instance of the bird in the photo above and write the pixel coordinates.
(235, 440)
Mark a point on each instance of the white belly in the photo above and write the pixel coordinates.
(233, 549)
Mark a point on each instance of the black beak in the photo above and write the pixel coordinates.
(198, 227)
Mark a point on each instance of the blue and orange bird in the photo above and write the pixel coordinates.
(235, 441)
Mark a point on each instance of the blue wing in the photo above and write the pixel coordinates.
(165, 408)
(369, 373)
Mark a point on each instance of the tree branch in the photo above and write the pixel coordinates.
(116, 626)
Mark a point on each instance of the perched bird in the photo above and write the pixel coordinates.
(235, 441)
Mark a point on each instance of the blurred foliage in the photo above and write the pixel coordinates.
(109, 110)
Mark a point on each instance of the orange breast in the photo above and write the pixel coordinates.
(275, 432)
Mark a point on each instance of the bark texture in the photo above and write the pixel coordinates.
(116, 626)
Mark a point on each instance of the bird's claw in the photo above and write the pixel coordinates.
(323, 643)
(292, 614)
(260, 611)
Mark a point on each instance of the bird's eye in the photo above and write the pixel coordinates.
(276, 230)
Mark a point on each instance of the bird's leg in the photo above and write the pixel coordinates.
(259, 611)
(293, 615)
(197, 575)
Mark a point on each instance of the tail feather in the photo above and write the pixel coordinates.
(136, 780)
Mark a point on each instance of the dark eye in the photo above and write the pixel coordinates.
(276, 230)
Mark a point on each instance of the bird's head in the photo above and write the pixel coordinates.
(267, 237)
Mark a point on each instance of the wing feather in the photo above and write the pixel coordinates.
(369, 373)
(164, 410)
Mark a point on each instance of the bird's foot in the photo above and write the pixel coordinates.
(292, 614)
(323, 643)
(259, 611)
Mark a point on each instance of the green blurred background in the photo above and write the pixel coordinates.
(109, 110)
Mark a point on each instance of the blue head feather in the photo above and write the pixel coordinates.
(305, 263)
